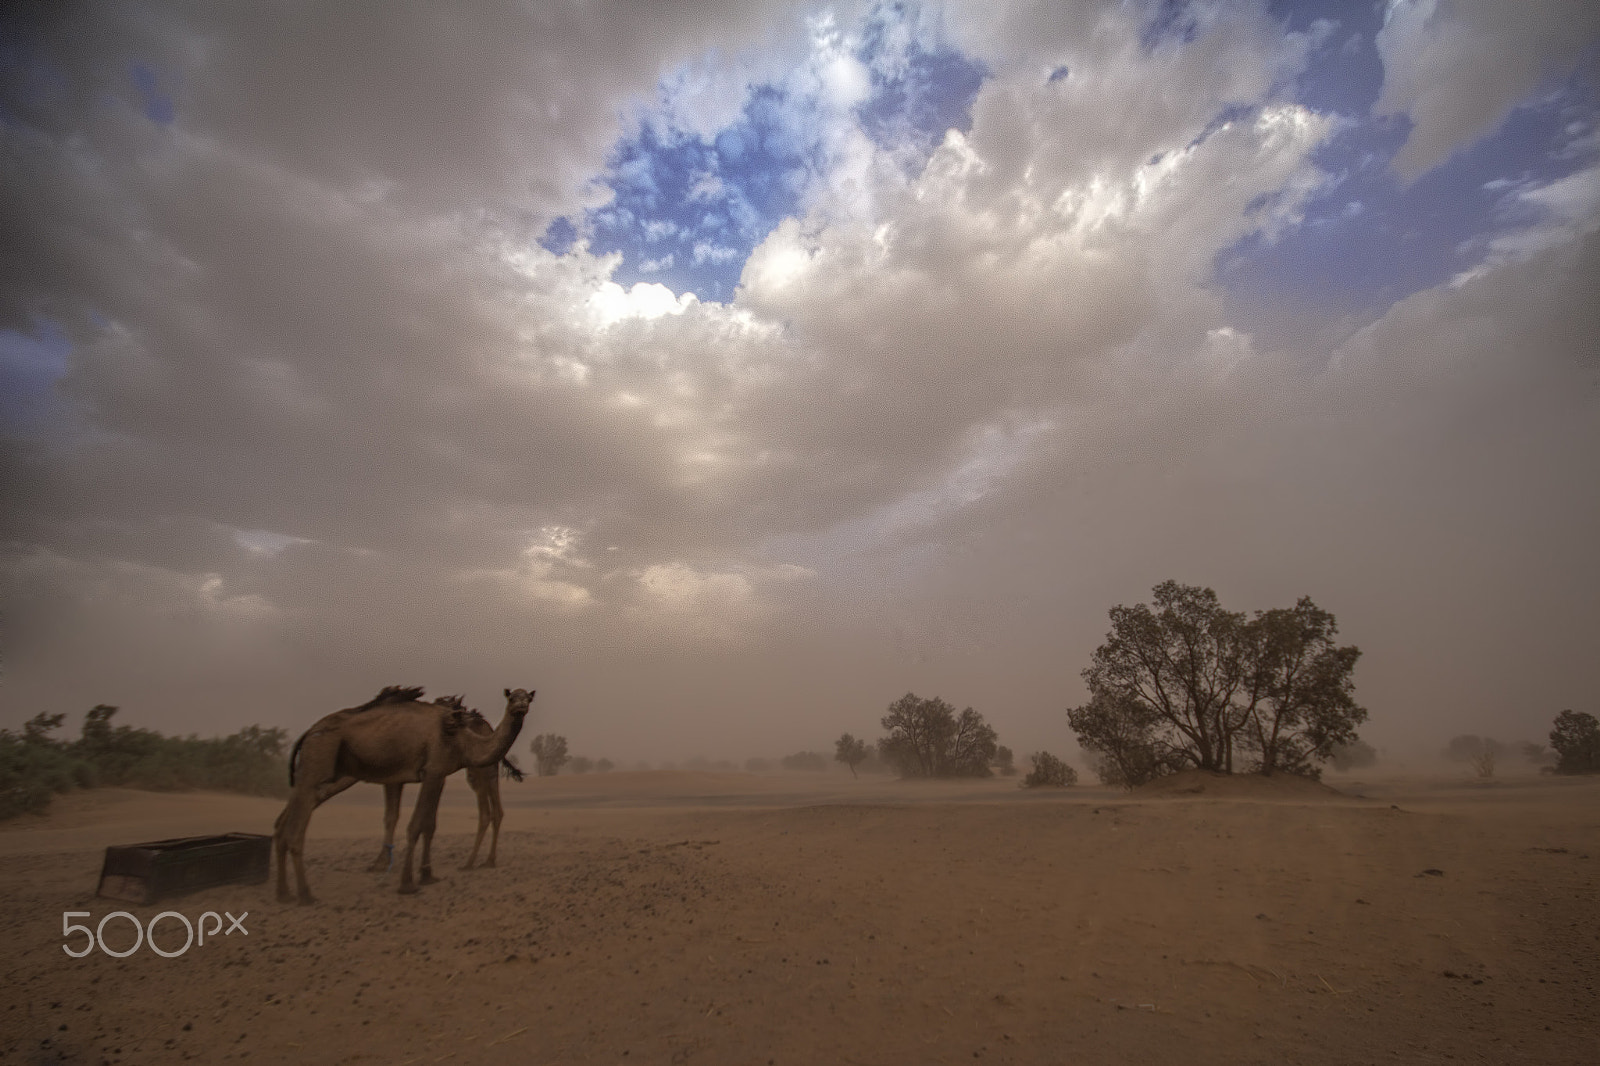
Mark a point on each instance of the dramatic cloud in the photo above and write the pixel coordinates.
(725, 371)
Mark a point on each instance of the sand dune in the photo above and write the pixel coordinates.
(718, 918)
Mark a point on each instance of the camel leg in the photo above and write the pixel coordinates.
(326, 792)
(496, 813)
(483, 824)
(425, 872)
(391, 818)
(424, 817)
(290, 841)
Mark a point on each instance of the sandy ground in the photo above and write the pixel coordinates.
(727, 918)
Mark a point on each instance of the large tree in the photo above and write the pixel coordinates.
(1184, 659)
(928, 739)
(1184, 683)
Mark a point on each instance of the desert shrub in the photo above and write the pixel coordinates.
(33, 768)
(1576, 738)
(1005, 761)
(928, 739)
(1049, 772)
(809, 761)
(604, 766)
(1356, 755)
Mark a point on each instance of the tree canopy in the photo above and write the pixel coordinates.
(852, 751)
(1576, 738)
(549, 753)
(928, 739)
(1183, 682)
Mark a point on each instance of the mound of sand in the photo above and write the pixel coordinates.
(1237, 786)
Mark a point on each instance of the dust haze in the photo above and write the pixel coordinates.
(300, 407)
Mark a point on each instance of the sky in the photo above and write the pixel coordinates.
(725, 370)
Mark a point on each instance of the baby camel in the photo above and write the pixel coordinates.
(389, 740)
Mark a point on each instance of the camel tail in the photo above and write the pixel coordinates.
(294, 756)
(511, 770)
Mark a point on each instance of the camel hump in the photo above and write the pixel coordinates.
(455, 703)
(393, 694)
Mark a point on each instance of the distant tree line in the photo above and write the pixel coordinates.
(1574, 748)
(35, 764)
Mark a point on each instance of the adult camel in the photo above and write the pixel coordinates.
(485, 782)
(391, 739)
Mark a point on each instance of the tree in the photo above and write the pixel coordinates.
(1049, 771)
(1184, 683)
(1298, 690)
(549, 753)
(850, 751)
(812, 761)
(581, 764)
(928, 739)
(604, 766)
(1185, 661)
(1484, 763)
(1576, 738)
(1005, 761)
(1121, 734)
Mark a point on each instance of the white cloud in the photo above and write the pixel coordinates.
(646, 299)
(1567, 209)
(1458, 68)
(265, 542)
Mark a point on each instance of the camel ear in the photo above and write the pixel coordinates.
(508, 694)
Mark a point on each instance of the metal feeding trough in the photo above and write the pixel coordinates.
(144, 873)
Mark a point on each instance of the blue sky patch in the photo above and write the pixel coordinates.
(687, 210)
(30, 365)
(918, 94)
(157, 104)
(1367, 240)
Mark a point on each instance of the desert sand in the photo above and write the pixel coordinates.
(730, 918)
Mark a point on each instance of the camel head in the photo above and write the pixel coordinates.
(518, 701)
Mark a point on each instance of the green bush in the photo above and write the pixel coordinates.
(34, 765)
